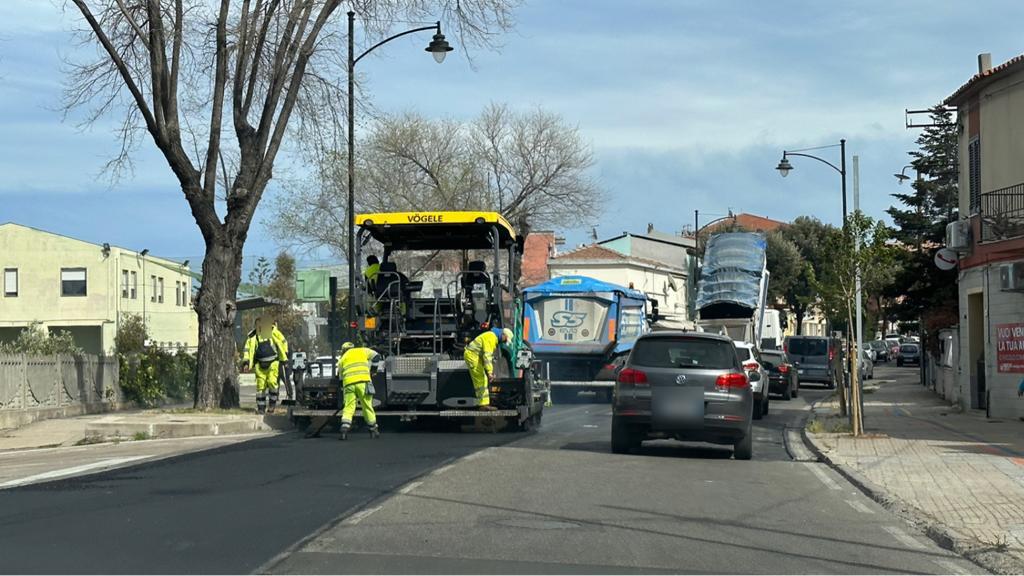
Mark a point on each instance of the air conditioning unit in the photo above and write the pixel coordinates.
(958, 235)
(1011, 277)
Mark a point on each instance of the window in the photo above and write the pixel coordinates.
(152, 288)
(684, 353)
(974, 174)
(10, 282)
(124, 283)
(160, 292)
(135, 285)
(72, 282)
(186, 288)
(177, 293)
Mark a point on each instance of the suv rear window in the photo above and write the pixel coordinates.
(808, 347)
(684, 353)
(908, 348)
(743, 353)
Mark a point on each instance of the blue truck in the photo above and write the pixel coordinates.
(581, 330)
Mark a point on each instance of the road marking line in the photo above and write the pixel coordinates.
(590, 425)
(360, 516)
(860, 507)
(903, 537)
(818, 471)
(67, 472)
(410, 487)
(953, 567)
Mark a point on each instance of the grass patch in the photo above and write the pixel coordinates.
(829, 425)
(89, 440)
(140, 436)
(212, 411)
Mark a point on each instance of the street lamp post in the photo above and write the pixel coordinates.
(785, 167)
(440, 48)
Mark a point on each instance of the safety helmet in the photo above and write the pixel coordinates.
(507, 334)
(347, 346)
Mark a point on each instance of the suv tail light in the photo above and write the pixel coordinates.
(750, 366)
(831, 354)
(784, 368)
(732, 380)
(633, 377)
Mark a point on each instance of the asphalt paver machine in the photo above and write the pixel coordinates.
(421, 333)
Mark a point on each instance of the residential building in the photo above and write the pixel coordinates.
(537, 249)
(748, 222)
(990, 114)
(660, 281)
(86, 289)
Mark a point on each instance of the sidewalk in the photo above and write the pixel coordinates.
(959, 476)
(137, 425)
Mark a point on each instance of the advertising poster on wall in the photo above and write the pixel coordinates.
(1010, 347)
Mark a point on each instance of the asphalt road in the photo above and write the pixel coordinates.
(556, 501)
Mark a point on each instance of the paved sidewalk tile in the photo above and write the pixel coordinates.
(958, 473)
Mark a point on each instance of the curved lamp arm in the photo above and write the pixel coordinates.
(834, 167)
(436, 26)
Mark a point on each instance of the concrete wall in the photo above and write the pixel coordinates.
(39, 257)
(39, 387)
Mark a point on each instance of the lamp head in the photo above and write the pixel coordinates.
(439, 47)
(901, 177)
(784, 166)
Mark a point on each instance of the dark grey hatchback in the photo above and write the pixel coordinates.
(683, 385)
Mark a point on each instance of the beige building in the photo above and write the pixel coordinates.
(86, 289)
(989, 237)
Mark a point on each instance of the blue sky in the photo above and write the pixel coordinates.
(687, 105)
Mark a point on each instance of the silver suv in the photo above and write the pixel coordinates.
(687, 386)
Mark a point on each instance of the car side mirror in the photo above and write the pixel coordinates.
(754, 376)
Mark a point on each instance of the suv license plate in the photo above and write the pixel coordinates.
(679, 405)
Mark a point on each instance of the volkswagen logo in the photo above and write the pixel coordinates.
(681, 379)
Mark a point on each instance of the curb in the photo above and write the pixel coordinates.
(987, 558)
(187, 428)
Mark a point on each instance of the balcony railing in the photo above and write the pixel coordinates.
(1002, 213)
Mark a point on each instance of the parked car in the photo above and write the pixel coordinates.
(817, 358)
(909, 354)
(687, 386)
(867, 366)
(750, 358)
(894, 346)
(782, 376)
(880, 349)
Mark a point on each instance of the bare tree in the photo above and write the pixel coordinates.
(532, 167)
(194, 73)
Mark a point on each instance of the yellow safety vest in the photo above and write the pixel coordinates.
(275, 337)
(354, 365)
(483, 347)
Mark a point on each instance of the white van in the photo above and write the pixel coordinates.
(771, 331)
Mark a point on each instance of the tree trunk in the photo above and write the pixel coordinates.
(799, 311)
(217, 369)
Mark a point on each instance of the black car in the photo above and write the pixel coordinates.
(782, 375)
(909, 354)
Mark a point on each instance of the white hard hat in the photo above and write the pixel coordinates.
(507, 334)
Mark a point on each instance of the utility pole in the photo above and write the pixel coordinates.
(857, 395)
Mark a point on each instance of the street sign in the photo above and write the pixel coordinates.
(945, 259)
